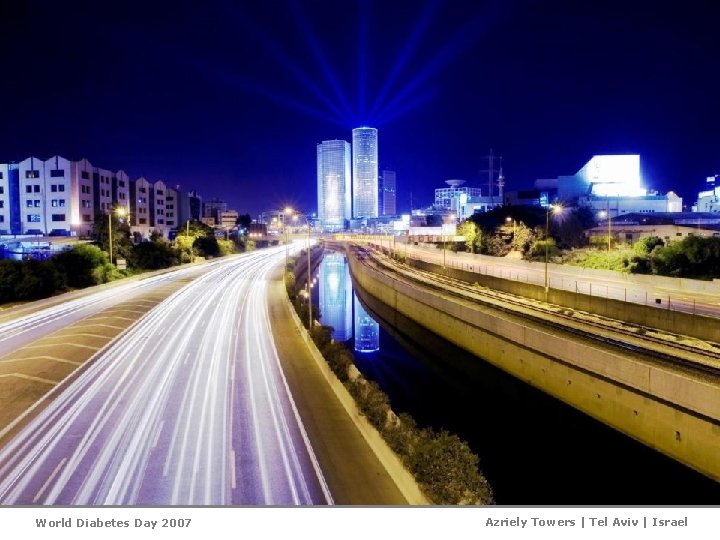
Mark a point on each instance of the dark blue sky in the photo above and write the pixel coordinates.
(232, 97)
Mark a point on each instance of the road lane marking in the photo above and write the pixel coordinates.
(30, 378)
(69, 344)
(52, 358)
(50, 479)
(78, 334)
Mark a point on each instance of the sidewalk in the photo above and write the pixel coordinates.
(353, 473)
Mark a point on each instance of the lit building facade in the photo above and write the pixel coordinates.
(365, 172)
(387, 190)
(333, 184)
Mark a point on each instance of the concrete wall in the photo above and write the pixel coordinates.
(677, 414)
(679, 322)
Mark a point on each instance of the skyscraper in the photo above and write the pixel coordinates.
(365, 172)
(333, 184)
(387, 193)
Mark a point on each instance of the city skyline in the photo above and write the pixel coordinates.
(545, 85)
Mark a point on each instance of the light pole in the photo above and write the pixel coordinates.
(555, 209)
(110, 232)
(606, 214)
(287, 211)
(452, 219)
(121, 213)
(307, 285)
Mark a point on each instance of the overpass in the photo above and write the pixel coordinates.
(658, 387)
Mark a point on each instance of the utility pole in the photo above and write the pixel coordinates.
(491, 170)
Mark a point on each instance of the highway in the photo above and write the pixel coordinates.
(20, 330)
(188, 406)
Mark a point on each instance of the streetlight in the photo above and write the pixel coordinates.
(307, 249)
(555, 209)
(121, 213)
(452, 219)
(287, 211)
(606, 214)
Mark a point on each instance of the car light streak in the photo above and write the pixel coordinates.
(187, 406)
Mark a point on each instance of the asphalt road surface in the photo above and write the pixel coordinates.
(188, 406)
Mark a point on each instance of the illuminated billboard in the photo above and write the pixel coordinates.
(614, 176)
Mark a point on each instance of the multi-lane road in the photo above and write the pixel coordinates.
(189, 405)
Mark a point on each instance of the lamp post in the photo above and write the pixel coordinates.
(452, 219)
(110, 232)
(307, 285)
(555, 209)
(121, 213)
(606, 214)
(287, 211)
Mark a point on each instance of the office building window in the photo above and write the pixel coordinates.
(53, 188)
(37, 203)
(2, 218)
(58, 217)
(61, 187)
(2, 204)
(54, 203)
(84, 175)
(85, 203)
(28, 189)
(36, 188)
(32, 174)
(29, 203)
(160, 192)
(86, 218)
(57, 173)
(142, 221)
(2, 188)
(121, 183)
(61, 202)
(33, 218)
(85, 189)
(143, 190)
(1, 175)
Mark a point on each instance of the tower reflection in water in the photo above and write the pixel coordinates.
(367, 331)
(336, 295)
(337, 300)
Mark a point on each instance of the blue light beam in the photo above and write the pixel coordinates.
(320, 58)
(401, 61)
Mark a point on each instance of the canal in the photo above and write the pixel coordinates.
(533, 448)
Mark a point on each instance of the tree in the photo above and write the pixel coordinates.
(121, 237)
(244, 220)
(523, 237)
(472, 234)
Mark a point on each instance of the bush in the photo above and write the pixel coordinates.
(154, 255)
(38, 279)
(371, 401)
(447, 469)
(77, 264)
(207, 246)
(106, 273)
(10, 276)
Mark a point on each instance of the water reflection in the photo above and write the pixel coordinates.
(338, 301)
(367, 331)
(336, 295)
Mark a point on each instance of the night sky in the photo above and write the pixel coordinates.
(231, 98)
